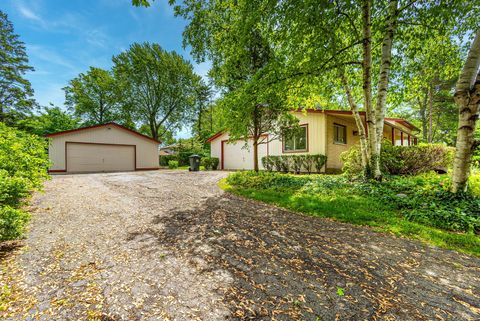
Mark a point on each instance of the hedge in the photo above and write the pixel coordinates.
(295, 163)
(23, 168)
(403, 160)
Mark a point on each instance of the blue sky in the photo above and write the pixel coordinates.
(63, 38)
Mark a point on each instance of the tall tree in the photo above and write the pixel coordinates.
(15, 90)
(158, 86)
(94, 96)
(231, 35)
(467, 98)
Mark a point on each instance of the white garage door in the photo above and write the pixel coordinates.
(237, 156)
(99, 158)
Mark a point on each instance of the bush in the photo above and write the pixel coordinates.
(267, 163)
(215, 161)
(210, 163)
(23, 168)
(403, 160)
(206, 162)
(164, 159)
(297, 163)
(173, 164)
(318, 161)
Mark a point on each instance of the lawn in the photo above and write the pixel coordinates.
(418, 207)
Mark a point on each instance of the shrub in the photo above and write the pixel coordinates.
(206, 162)
(267, 163)
(285, 163)
(297, 163)
(173, 164)
(214, 162)
(403, 160)
(308, 163)
(318, 161)
(23, 168)
(164, 159)
(277, 163)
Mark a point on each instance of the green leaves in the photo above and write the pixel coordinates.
(158, 87)
(23, 168)
(16, 93)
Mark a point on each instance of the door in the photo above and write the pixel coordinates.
(237, 156)
(90, 157)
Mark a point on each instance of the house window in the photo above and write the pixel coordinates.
(296, 141)
(339, 134)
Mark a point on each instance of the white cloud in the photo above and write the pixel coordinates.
(30, 15)
(50, 56)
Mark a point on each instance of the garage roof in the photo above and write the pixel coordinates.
(103, 125)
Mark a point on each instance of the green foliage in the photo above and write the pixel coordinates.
(94, 96)
(15, 90)
(403, 160)
(50, 120)
(172, 164)
(340, 291)
(209, 163)
(164, 159)
(158, 87)
(297, 163)
(23, 168)
(419, 207)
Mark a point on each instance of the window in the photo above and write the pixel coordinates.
(296, 141)
(339, 134)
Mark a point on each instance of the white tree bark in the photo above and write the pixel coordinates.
(467, 98)
(374, 153)
(383, 81)
(358, 120)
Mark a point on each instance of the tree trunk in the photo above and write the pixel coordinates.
(370, 170)
(255, 154)
(423, 117)
(358, 120)
(430, 115)
(383, 81)
(467, 97)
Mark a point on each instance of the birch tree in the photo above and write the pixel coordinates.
(467, 98)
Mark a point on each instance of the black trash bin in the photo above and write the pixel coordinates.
(194, 163)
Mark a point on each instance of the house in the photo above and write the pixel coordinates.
(327, 132)
(102, 148)
(167, 150)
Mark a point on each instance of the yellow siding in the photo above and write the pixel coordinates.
(147, 150)
(334, 150)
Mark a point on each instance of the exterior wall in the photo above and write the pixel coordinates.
(315, 135)
(146, 150)
(320, 134)
(334, 150)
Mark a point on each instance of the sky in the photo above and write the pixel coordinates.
(64, 38)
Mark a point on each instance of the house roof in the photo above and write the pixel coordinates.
(215, 136)
(102, 125)
(404, 122)
(401, 121)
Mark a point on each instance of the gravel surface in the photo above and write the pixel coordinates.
(170, 245)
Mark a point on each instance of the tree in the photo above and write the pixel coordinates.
(467, 98)
(50, 120)
(157, 85)
(229, 33)
(94, 96)
(203, 94)
(15, 90)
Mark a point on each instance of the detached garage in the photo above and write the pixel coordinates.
(102, 148)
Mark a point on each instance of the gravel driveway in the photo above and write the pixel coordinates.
(170, 245)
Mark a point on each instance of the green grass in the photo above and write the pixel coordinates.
(322, 196)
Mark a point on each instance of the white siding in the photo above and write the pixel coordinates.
(146, 150)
